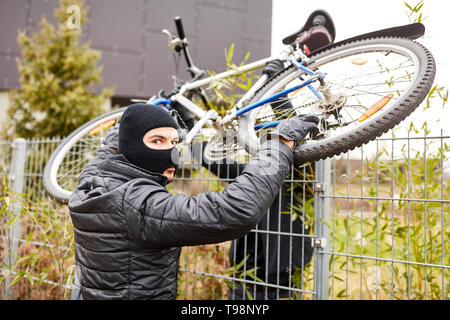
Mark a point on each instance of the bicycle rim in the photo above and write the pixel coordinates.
(63, 169)
(373, 85)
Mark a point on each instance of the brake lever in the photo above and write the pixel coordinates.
(175, 43)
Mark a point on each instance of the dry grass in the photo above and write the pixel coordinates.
(201, 260)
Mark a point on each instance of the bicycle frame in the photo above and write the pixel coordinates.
(414, 92)
(237, 110)
(411, 31)
(196, 110)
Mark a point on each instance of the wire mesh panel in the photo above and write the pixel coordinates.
(38, 152)
(40, 263)
(5, 158)
(370, 224)
(273, 261)
(5, 165)
(390, 224)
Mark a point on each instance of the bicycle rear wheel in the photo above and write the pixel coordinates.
(63, 169)
(372, 85)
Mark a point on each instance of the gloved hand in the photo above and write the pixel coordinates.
(295, 129)
(273, 67)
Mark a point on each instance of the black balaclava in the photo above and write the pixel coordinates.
(137, 120)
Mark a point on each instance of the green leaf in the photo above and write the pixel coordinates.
(15, 219)
(342, 294)
(229, 55)
(19, 275)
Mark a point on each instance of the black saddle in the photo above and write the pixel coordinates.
(317, 32)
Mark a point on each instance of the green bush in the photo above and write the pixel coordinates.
(57, 74)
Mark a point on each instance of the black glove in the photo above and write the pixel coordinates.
(295, 129)
(273, 67)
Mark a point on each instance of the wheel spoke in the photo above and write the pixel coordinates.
(385, 72)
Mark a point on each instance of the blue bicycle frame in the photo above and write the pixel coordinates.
(239, 112)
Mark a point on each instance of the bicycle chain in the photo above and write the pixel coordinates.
(177, 115)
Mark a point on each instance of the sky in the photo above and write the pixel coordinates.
(354, 17)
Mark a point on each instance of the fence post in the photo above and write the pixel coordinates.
(16, 181)
(321, 232)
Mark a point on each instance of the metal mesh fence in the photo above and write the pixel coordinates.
(272, 261)
(369, 224)
(5, 158)
(389, 220)
(35, 237)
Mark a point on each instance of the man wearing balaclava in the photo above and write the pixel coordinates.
(129, 229)
(142, 150)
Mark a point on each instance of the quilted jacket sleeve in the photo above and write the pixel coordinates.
(166, 220)
(109, 148)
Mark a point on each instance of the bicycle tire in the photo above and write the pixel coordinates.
(374, 126)
(54, 174)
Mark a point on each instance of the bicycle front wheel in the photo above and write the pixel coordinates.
(370, 86)
(63, 169)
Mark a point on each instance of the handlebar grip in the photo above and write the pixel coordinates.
(180, 29)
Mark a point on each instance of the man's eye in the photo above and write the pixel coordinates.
(175, 142)
(157, 141)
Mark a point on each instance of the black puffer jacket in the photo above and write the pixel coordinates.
(129, 229)
(274, 256)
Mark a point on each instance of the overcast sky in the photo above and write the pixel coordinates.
(353, 17)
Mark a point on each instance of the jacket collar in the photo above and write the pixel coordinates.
(119, 164)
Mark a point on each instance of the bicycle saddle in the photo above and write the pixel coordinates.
(318, 31)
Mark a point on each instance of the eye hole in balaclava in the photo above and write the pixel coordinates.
(136, 121)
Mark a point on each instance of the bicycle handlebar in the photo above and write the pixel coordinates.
(195, 72)
(179, 26)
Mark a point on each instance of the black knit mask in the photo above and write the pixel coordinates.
(136, 121)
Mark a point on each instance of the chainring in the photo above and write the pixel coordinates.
(220, 147)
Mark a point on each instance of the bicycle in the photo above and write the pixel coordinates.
(359, 88)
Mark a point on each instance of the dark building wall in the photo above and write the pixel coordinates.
(135, 55)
